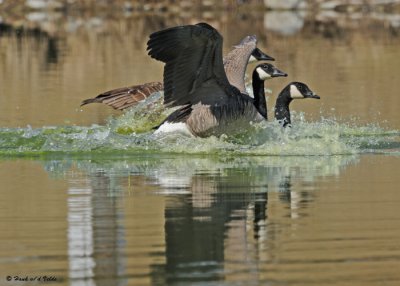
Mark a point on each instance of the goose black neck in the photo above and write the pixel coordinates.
(282, 112)
(259, 95)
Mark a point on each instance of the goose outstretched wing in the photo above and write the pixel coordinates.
(125, 97)
(193, 64)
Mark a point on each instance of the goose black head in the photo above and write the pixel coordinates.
(258, 55)
(267, 71)
(299, 90)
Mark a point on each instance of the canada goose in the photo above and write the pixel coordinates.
(294, 90)
(213, 108)
(235, 64)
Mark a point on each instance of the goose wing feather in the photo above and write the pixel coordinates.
(193, 64)
(125, 97)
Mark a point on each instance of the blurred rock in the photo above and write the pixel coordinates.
(285, 5)
(331, 22)
(43, 4)
(184, 5)
(284, 22)
(349, 6)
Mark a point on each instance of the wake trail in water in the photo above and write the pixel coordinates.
(132, 133)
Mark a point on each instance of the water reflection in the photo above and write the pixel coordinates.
(95, 233)
(216, 212)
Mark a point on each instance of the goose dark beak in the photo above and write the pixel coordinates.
(312, 95)
(278, 73)
(260, 56)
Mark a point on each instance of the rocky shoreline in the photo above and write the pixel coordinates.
(303, 20)
(170, 5)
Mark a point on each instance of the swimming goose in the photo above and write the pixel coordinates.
(294, 90)
(235, 64)
(194, 79)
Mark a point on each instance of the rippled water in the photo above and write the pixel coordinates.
(226, 220)
(132, 133)
(92, 197)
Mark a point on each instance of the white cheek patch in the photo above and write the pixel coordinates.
(295, 92)
(169, 127)
(262, 74)
(252, 59)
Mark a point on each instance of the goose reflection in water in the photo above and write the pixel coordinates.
(95, 232)
(217, 212)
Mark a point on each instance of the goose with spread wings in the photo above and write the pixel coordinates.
(195, 81)
(235, 63)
